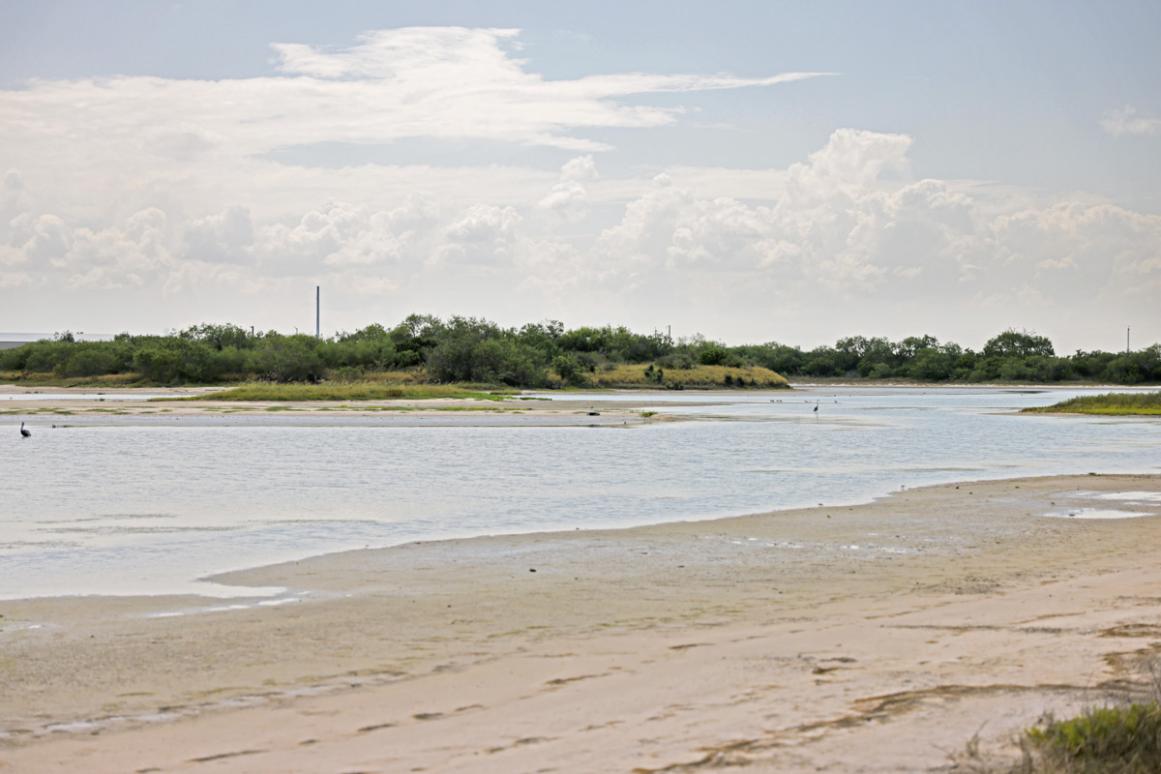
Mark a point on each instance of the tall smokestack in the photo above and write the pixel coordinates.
(317, 312)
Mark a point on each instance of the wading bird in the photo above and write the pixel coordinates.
(24, 431)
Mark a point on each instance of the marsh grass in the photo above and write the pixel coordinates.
(698, 377)
(413, 376)
(49, 379)
(1111, 403)
(264, 391)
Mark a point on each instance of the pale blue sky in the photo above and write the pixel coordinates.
(996, 90)
(1051, 104)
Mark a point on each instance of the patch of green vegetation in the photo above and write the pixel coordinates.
(343, 392)
(1112, 404)
(51, 379)
(24, 412)
(423, 349)
(1107, 740)
(653, 376)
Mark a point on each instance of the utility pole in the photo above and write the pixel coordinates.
(317, 312)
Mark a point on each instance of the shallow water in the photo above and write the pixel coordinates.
(112, 397)
(146, 508)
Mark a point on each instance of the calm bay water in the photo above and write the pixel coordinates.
(149, 508)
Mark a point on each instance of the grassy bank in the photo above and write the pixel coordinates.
(346, 392)
(1112, 403)
(642, 376)
(49, 379)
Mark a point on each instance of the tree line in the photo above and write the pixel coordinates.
(463, 349)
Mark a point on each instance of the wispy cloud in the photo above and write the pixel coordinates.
(423, 82)
(1126, 120)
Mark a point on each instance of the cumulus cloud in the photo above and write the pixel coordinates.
(580, 169)
(484, 234)
(849, 225)
(344, 235)
(569, 198)
(122, 255)
(1126, 120)
(224, 237)
(850, 221)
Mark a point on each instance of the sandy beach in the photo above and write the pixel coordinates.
(879, 637)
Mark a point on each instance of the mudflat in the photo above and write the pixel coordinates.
(52, 407)
(876, 637)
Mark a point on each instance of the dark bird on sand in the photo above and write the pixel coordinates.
(24, 431)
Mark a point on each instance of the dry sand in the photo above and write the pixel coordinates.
(879, 637)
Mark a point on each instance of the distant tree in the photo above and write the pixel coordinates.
(568, 368)
(218, 336)
(908, 348)
(1013, 343)
(932, 365)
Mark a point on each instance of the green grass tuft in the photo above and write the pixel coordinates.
(1125, 740)
(1111, 403)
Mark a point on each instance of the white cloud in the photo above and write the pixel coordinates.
(580, 169)
(849, 222)
(224, 237)
(124, 183)
(448, 82)
(569, 198)
(1125, 120)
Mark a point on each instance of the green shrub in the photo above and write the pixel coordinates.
(1108, 740)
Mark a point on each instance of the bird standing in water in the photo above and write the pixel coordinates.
(24, 431)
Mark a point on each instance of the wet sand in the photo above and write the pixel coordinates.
(138, 406)
(879, 637)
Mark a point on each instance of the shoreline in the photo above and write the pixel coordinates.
(195, 603)
(394, 625)
(605, 407)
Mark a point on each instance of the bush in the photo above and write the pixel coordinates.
(286, 359)
(569, 369)
(1124, 740)
(91, 360)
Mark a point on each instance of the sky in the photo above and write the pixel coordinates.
(747, 171)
